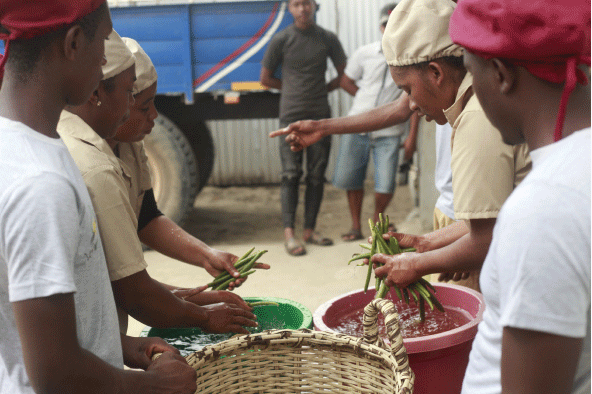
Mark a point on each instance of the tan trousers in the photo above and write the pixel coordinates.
(472, 282)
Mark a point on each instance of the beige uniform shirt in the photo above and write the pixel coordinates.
(135, 160)
(484, 169)
(108, 180)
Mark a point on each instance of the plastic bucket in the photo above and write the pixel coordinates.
(439, 361)
(288, 314)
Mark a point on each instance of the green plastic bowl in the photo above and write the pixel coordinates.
(287, 314)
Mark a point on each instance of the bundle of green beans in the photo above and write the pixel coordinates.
(418, 290)
(244, 265)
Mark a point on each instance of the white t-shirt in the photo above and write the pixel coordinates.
(369, 69)
(443, 173)
(49, 244)
(537, 273)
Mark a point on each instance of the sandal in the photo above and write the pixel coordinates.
(294, 247)
(317, 239)
(352, 235)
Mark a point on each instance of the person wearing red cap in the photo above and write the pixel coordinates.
(57, 313)
(530, 64)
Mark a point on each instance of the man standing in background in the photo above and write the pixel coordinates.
(301, 51)
(367, 78)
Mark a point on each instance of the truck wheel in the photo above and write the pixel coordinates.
(203, 145)
(173, 168)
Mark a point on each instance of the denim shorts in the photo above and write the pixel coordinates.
(354, 155)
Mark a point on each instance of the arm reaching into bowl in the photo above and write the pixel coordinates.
(455, 248)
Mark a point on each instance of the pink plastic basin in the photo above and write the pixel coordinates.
(439, 361)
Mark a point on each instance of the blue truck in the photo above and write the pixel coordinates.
(207, 55)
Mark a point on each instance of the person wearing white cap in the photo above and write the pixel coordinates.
(153, 228)
(429, 67)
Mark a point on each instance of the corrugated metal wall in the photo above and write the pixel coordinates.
(244, 153)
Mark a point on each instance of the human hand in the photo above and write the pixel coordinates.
(138, 352)
(454, 276)
(185, 293)
(399, 270)
(300, 134)
(219, 261)
(223, 317)
(217, 296)
(172, 375)
(406, 241)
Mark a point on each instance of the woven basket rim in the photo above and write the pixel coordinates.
(297, 338)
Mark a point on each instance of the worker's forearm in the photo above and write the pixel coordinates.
(463, 255)
(334, 84)
(444, 236)
(168, 238)
(149, 302)
(379, 118)
(47, 331)
(83, 372)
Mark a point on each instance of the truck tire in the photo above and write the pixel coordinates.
(173, 168)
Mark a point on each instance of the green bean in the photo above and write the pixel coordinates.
(366, 246)
(398, 291)
(225, 284)
(252, 261)
(359, 256)
(421, 310)
(406, 295)
(383, 290)
(407, 250)
(383, 245)
(424, 294)
(414, 296)
(427, 284)
(219, 279)
(437, 304)
(368, 276)
(394, 245)
(245, 255)
(372, 252)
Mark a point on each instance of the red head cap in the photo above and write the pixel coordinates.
(547, 37)
(25, 19)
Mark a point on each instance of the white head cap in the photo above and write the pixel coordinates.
(119, 57)
(417, 31)
(145, 71)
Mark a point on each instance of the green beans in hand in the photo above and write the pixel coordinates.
(420, 290)
(243, 265)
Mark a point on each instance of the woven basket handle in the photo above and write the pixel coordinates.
(391, 321)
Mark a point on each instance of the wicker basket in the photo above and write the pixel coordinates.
(305, 361)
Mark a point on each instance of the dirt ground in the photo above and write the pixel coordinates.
(251, 215)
